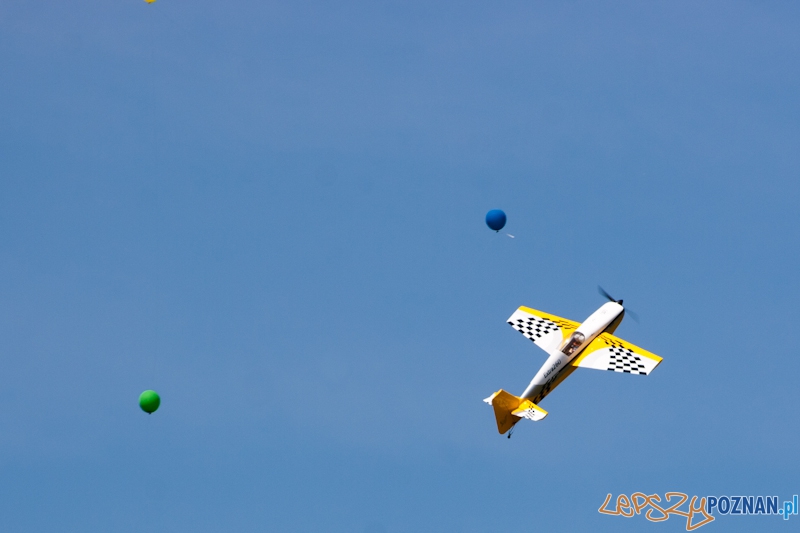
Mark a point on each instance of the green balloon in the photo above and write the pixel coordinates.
(149, 401)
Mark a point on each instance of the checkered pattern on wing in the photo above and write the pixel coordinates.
(624, 360)
(534, 327)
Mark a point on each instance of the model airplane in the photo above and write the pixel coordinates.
(570, 345)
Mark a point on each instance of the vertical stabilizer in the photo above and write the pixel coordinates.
(509, 409)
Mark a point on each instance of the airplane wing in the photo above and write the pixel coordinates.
(607, 352)
(545, 330)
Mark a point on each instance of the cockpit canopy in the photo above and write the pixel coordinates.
(573, 343)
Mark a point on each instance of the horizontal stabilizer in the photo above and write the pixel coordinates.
(509, 409)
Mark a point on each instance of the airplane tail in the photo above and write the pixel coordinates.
(509, 409)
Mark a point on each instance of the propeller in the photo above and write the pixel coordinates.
(610, 298)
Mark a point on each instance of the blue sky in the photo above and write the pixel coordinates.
(272, 213)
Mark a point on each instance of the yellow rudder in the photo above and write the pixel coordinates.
(509, 409)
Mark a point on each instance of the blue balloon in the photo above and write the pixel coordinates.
(496, 219)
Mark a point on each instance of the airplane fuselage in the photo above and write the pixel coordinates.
(557, 366)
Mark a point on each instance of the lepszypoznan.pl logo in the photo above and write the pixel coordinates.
(700, 511)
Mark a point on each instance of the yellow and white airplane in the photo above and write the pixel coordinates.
(570, 345)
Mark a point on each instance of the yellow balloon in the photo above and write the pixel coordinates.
(149, 1)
